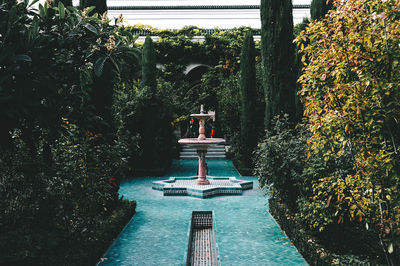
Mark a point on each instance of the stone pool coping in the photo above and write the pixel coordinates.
(186, 186)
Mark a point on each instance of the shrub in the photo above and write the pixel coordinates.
(55, 214)
(279, 161)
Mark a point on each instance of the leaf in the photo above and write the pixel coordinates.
(61, 9)
(35, 26)
(347, 128)
(41, 11)
(98, 66)
(390, 248)
(91, 28)
(23, 57)
(115, 64)
(32, 3)
(90, 9)
(329, 201)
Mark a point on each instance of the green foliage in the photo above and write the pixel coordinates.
(338, 248)
(279, 161)
(59, 212)
(319, 8)
(278, 58)
(298, 28)
(227, 91)
(176, 49)
(149, 76)
(44, 76)
(287, 172)
(58, 180)
(141, 112)
(351, 96)
(248, 94)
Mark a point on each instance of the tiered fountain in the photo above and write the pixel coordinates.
(201, 144)
(200, 186)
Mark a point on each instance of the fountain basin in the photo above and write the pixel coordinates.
(187, 186)
(201, 144)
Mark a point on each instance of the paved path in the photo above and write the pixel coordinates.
(246, 234)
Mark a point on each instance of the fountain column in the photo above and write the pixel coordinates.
(202, 175)
(202, 130)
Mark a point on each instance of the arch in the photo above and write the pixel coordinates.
(192, 66)
(194, 73)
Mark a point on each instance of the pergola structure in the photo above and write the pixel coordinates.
(207, 14)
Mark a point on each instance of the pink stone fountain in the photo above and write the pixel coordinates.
(202, 144)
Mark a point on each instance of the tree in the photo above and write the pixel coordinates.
(277, 51)
(248, 133)
(351, 96)
(319, 8)
(149, 65)
(150, 118)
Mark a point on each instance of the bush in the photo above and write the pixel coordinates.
(56, 213)
(289, 173)
(280, 159)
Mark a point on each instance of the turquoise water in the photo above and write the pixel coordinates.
(246, 234)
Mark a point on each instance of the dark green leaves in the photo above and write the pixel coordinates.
(99, 65)
(23, 57)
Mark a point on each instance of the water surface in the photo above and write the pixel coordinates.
(246, 233)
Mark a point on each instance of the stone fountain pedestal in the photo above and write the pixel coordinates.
(201, 147)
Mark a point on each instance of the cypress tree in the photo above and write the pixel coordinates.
(151, 123)
(277, 50)
(248, 92)
(319, 8)
(149, 65)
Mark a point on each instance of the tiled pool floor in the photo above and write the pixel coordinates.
(246, 234)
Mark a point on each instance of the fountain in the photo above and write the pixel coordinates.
(200, 186)
(202, 144)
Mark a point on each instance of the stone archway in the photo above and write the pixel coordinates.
(194, 73)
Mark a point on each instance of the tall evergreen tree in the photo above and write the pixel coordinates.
(277, 51)
(154, 121)
(319, 8)
(248, 92)
(149, 65)
(101, 5)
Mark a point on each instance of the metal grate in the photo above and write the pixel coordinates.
(202, 247)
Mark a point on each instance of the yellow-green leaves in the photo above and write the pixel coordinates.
(351, 95)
